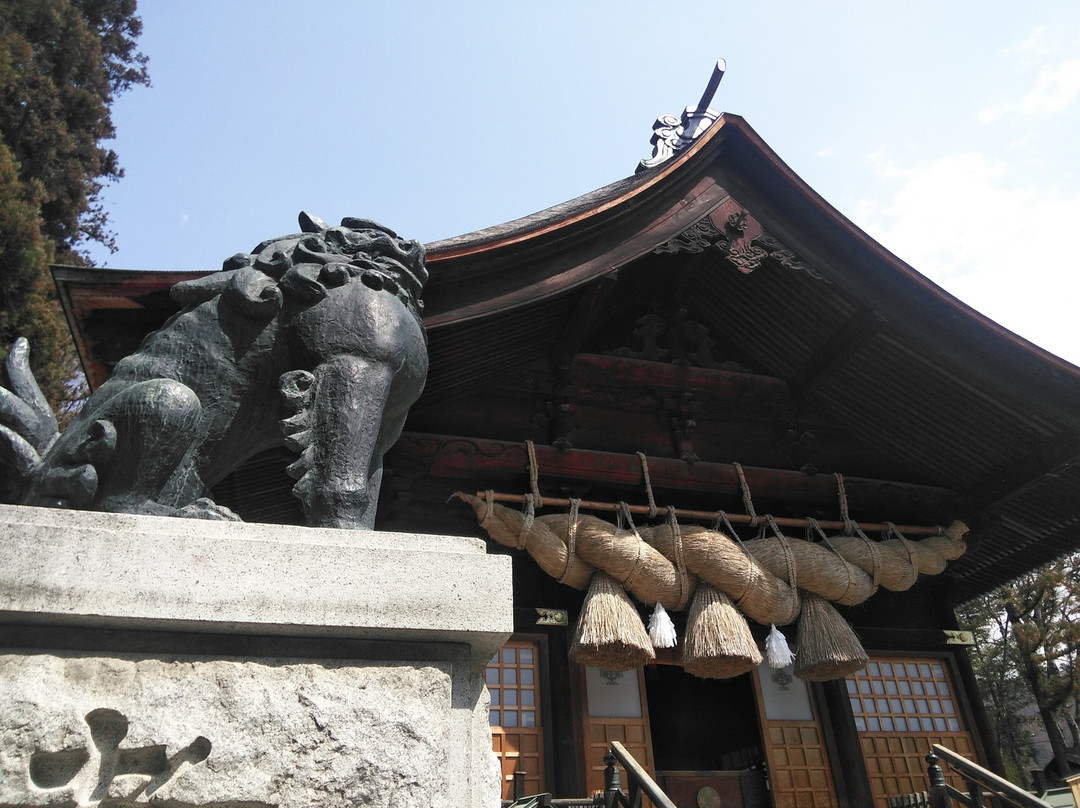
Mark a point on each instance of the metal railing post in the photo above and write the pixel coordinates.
(975, 793)
(519, 785)
(939, 794)
(612, 782)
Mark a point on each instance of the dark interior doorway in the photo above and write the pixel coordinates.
(702, 724)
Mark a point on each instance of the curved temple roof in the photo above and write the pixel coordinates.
(720, 292)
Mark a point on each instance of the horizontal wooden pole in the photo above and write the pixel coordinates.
(712, 516)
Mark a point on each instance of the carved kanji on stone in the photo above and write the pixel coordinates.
(91, 771)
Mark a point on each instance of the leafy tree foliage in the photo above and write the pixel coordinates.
(1028, 639)
(62, 62)
(1005, 694)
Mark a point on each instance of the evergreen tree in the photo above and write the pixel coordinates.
(1005, 694)
(62, 62)
(1029, 637)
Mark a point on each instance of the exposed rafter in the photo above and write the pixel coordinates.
(1013, 480)
(833, 354)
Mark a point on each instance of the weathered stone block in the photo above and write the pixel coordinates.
(290, 733)
(203, 663)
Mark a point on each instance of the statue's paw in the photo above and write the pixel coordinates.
(205, 508)
(71, 486)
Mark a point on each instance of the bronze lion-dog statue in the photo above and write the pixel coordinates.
(312, 340)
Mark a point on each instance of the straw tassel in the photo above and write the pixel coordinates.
(609, 633)
(828, 648)
(777, 651)
(661, 629)
(718, 642)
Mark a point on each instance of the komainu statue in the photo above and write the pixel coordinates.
(312, 340)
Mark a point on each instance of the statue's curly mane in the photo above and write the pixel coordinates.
(303, 267)
(322, 326)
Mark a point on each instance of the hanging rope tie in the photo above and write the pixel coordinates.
(849, 526)
(526, 526)
(661, 628)
(752, 567)
(571, 539)
(748, 502)
(628, 581)
(680, 560)
(875, 557)
(722, 521)
(814, 526)
(892, 532)
(489, 504)
(792, 570)
(653, 510)
(852, 529)
(534, 474)
(777, 651)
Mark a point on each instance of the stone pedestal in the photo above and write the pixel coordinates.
(197, 663)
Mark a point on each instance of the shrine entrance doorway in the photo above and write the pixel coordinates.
(706, 738)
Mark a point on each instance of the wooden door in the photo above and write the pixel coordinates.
(615, 710)
(517, 734)
(902, 705)
(798, 762)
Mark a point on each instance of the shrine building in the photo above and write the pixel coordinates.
(708, 335)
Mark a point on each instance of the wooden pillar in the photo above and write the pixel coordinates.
(849, 770)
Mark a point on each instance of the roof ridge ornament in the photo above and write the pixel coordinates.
(672, 135)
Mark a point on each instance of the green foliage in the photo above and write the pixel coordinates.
(62, 62)
(1028, 638)
(1005, 694)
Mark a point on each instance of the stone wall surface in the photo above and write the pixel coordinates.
(286, 733)
(184, 663)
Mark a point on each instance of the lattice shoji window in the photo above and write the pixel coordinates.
(511, 680)
(903, 696)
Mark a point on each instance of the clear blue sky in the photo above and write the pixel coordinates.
(948, 131)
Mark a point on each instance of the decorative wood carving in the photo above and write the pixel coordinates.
(559, 419)
(787, 258)
(732, 231)
(677, 339)
(682, 412)
(551, 617)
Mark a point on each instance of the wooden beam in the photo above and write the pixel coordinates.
(1047, 457)
(589, 305)
(483, 463)
(840, 347)
(752, 391)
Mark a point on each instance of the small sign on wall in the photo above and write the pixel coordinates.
(786, 697)
(613, 694)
